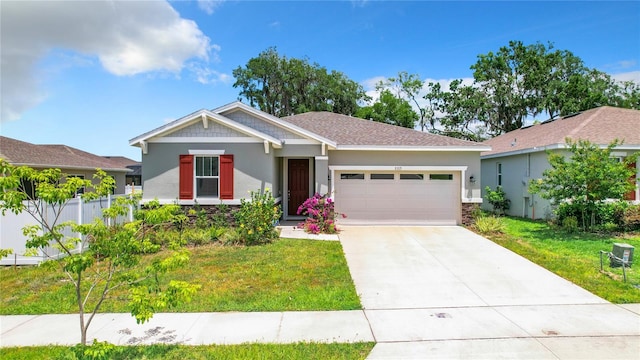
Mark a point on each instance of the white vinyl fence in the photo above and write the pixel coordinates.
(76, 210)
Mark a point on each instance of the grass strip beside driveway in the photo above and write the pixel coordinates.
(286, 275)
(179, 352)
(574, 256)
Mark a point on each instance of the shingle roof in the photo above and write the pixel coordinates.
(122, 161)
(600, 126)
(19, 152)
(350, 131)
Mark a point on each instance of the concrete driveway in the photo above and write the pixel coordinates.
(447, 293)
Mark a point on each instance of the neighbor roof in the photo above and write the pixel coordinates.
(350, 132)
(18, 153)
(600, 126)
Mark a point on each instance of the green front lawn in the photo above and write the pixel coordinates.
(180, 352)
(286, 275)
(575, 257)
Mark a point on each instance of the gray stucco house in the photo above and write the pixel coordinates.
(71, 161)
(520, 155)
(374, 172)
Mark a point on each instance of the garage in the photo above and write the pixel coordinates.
(402, 197)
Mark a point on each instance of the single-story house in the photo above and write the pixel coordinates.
(69, 160)
(521, 155)
(373, 171)
(133, 178)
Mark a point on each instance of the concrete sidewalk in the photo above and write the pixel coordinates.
(190, 328)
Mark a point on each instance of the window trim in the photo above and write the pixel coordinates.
(382, 176)
(499, 174)
(440, 177)
(196, 177)
(418, 177)
(352, 176)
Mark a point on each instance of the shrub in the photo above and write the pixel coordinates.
(216, 233)
(257, 218)
(631, 217)
(498, 199)
(321, 215)
(607, 216)
(221, 216)
(490, 225)
(231, 237)
(196, 236)
(570, 224)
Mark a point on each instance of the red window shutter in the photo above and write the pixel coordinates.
(631, 195)
(186, 177)
(226, 177)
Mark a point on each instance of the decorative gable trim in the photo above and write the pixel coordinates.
(273, 120)
(157, 135)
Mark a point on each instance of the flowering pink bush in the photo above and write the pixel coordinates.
(320, 213)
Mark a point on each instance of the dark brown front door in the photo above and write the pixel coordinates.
(298, 183)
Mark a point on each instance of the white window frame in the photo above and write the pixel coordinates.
(499, 174)
(196, 176)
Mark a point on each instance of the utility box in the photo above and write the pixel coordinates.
(622, 251)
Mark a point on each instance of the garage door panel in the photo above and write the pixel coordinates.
(423, 200)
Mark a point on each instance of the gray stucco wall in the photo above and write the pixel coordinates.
(88, 175)
(517, 172)
(253, 169)
(408, 158)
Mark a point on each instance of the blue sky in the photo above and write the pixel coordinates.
(95, 74)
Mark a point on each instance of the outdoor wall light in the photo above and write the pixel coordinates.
(472, 179)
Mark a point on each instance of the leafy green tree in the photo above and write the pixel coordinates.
(107, 255)
(390, 109)
(281, 86)
(586, 179)
(462, 108)
(520, 81)
(408, 87)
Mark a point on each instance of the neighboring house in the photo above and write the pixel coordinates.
(69, 160)
(374, 172)
(520, 155)
(133, 178)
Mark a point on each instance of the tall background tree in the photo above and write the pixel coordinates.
(389, 109)
(522, 81)
(284, 86)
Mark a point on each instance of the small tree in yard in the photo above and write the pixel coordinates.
(109, 256)
(585, 180)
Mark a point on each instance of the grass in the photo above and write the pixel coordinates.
(249, 351)
(574, 256)
(286, 275)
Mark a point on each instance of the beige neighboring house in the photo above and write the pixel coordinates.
(520, 155)
(376, 173)
(71, 161)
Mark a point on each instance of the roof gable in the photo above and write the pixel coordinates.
(600, 126)
(234, 108)
(203, 117)
(353, 133)
(19, 153)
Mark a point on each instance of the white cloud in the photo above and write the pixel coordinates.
(627, 76)
(209, 6)
(127, 37)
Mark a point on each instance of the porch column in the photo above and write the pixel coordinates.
(321, 182)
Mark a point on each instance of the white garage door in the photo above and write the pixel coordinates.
(398, 197)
